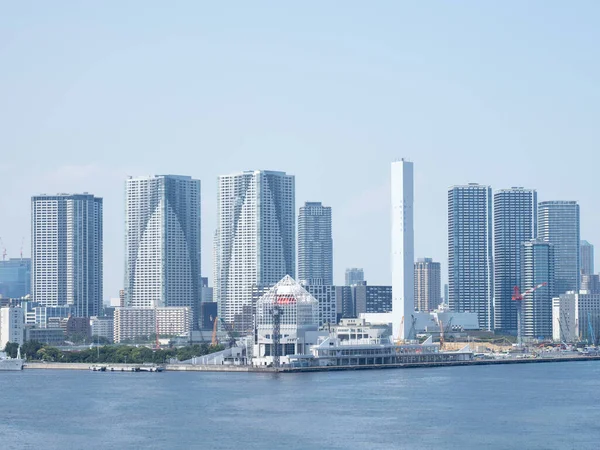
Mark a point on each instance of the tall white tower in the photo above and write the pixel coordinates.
(403, 248)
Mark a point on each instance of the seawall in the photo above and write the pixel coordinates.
(231, 368)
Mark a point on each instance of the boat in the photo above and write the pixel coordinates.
(8, 363)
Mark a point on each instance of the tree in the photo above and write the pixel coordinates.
(11, 349)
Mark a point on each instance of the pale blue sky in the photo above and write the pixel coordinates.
(501, 93)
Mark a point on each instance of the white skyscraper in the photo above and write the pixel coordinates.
(255, 240)
(162, 242)
(403, 253)
(66, 252)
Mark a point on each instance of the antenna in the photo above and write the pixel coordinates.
(22, 244)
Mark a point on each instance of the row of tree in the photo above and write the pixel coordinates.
(36, 351)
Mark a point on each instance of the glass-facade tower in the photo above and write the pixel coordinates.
(515, 221)
(537, 269)
(558, 224)
(315, 245)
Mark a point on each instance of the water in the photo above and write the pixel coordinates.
(533, 406)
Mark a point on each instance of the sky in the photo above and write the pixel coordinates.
(498, 93)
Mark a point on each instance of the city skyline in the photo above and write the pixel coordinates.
(210, 274)
(122, 97)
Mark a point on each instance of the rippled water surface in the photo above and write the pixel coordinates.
(529, 406)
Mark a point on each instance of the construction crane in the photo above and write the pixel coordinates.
(156, 331)
(214, 340)
(518, 297)
(591, 330)
(229, 330)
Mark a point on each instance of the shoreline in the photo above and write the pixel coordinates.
(255, 369)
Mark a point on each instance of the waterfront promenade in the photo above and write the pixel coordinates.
(255, 369)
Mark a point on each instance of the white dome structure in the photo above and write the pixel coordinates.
(298, 314)
(296, 306)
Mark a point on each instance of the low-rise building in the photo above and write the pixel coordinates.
(11, 326)
(102, 327)
(141, 323)
(576, 317)
(49, 336)
(79, 326)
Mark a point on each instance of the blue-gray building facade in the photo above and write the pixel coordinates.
(66, 252)
(537, 268)
(558, 224)
(315, 245)
(15, 277)
(515, 222)
(470, 259)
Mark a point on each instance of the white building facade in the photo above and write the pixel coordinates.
(403, 248)
(162, 242)
(66, 252)
(135, 323)
(12, 327)
(102, 327)
(255, 242)
(576, 317)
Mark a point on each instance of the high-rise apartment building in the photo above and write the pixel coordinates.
(315, 245)
(66, 252)
(586, 258)
(428, 284)
(537, 267)
(162, 242)
(255, 238)
(15, 277)
(558, 223)
(354, 276)
(403, 248)
(470, 267)
(515, 221)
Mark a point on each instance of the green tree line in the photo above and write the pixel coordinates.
(36, 351)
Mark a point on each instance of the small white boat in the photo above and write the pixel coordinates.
(8, 363)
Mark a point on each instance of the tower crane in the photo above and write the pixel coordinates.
(518, 297)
